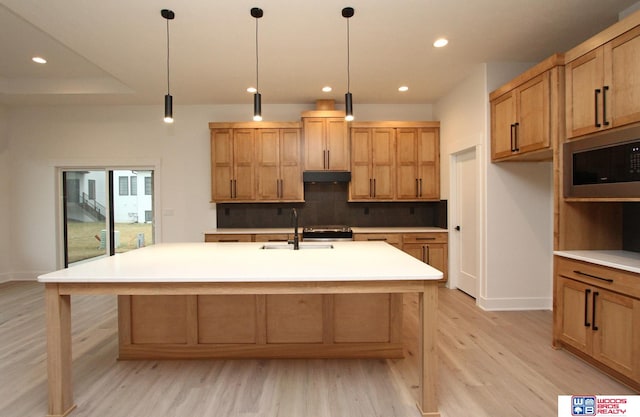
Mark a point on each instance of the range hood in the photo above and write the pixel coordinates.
(326, 176)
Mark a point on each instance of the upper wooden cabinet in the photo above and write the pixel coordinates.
(232, 164)
(602, 83)
(417, 163)
(372, 166)
(279, 174)
(251, 163)
(395, 161)
(326, 143)
(526, 114)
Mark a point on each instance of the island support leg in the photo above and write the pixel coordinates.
(59, 352)
(428, 350)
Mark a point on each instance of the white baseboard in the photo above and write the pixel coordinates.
(512, 304)
(20, 276)
(5, 277)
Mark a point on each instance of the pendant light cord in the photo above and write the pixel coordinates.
(168, 89)
(257, 60)
(348, 59)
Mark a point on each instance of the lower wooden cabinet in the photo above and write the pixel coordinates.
(597, 317)
(394, 239)
(430, 248)
(260, 326)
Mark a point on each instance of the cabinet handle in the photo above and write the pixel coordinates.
(428, 258)
(324, 159)
(374, 187)
(424, 258)
(420, 195)
(513, 126)
(328, 159)
(609, 280)
(380, 239)
(425, 238)
(593, 311)
(230, 188)
(370, 187)
(517, 136)
(586, 307)
(235, 188)
(596, 100)
(604, 105)
(417, 189)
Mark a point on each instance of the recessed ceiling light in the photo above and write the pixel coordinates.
(439, 43)
(403, 88)
(251, 90)
(39, 60)
(326, 89)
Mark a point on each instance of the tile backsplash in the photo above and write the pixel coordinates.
(326, 204)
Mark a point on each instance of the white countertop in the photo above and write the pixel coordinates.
(247, 262)
(355, 229)
(619, 259)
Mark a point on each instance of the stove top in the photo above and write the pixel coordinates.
(327, 228)
(327, 232)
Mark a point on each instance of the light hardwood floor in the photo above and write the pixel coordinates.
(491, 364)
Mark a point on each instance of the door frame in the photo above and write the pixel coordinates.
(107, 166)
(454, 216)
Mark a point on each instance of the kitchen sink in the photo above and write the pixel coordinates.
(290, 246)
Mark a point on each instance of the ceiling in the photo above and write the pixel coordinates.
(114, 51)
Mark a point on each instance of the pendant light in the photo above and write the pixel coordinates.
(347, 13)
(168, 99)
(257, 13)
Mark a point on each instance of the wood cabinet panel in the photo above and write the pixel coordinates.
(361, 317)
(279, 174)
(294, 318)
(394, 239)
(227, 319)
(373, 166)
(213, 237)
(159, 319)
(326, 144)
(430, 248)
(602, 86)
(596, 320)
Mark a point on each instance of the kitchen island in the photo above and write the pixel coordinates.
(240, 269)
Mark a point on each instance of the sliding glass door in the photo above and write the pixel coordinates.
(106, 212)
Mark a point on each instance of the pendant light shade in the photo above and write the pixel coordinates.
(347, 13)
(257, 13)
(168, 99)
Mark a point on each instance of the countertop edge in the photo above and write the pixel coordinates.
(618, 259)
(356, 229)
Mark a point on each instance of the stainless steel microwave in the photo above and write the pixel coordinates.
(604, 165)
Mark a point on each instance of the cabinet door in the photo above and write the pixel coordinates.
(616, 325)
(361, 177)
(503, 119)
(291, 186)
(314, 144)
(243, 161)
(337, 144)
(429, 164)
(575, 316)
(533, 112)
(436, 256)
(623, 98)
(584, 76)
(268, 162)
(222, 164)
(407, 176)
(382, 163)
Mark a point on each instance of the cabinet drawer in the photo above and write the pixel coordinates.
(436, 237)
(393, 239)
(612, 279)
(227, 238)
(278, 237)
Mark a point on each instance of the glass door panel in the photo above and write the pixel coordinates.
(132, 209)
(85, 215)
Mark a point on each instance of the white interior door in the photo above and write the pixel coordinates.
(465, 222)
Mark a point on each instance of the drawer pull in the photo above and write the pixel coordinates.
(609, 280)
(593, 311)
(586, 308)
(425, 238)
(379, 239)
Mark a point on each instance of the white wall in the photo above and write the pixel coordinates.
(517, 230)
(45, 137)
(5, 214)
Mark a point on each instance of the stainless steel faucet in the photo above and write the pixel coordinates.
(296, 237)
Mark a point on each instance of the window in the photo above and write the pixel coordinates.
(123, 183)
(134, 185)
(92, 189)
(148, 216)
(148, 186)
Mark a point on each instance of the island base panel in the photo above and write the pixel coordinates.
(260, 326)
